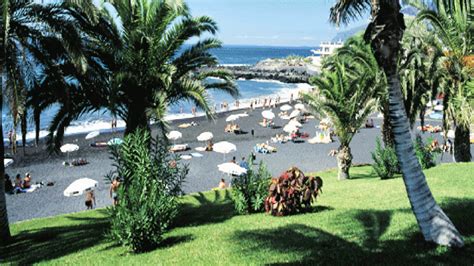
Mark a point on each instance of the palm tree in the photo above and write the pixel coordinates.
(32, 35)
(347, 101)
(359, 53)
(453, 26)
(385, 32)
(150, 67)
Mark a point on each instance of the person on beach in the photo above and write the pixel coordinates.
(291, 98)
(222, 184)
(193, 110)
(27, 181)
(114, 190)
(233, 160)
(10, 138)
(244, 163)
(18, 188)
(114, 124)
(90, 200)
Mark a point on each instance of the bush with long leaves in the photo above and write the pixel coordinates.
(249, 190)
(148, 195)
(385, 161)
(292, 193)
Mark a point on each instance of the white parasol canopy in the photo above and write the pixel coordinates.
(299, 106)
(205, 136)
(174, 135)
(290, 128)
(232, 118)
(268, 114)
(286, 107)
(79, 186)
(295, 123)
(294, 114)
(438, 108)
(231, 168)
(224, 147)
(450, 134)
(69, 148)
(7, 162)
(93, 134)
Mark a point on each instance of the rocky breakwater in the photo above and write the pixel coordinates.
(288, 70)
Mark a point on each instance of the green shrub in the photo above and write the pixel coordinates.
(385, 161)
(292, 192)
(425, 155)
(249, 190)
(148, 194)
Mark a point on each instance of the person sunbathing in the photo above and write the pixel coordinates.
(222, 184)
(27, 181)
(209, 146)
(369, 123)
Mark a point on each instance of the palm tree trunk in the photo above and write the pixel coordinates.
(136, 118)
(344, 161)
(387, 132)
(4, 225)
(24, 130)
(462, 145)
(37, 118)
(385, 33)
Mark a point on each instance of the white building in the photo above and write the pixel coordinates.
(327, 48)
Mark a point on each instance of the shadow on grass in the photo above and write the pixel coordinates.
(32, 246)
(302, 244)
(209, 210)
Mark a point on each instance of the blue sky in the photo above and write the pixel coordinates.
(271, 22)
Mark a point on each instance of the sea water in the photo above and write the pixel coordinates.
(227, 55)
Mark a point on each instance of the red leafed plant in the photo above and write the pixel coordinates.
(292, 192)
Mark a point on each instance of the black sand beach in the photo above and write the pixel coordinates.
(203, 175)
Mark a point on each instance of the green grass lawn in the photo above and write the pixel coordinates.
(363, 220)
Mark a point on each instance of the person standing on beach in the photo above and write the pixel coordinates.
(291, 98)
(114, 190)
(90, 200)
(193, 110)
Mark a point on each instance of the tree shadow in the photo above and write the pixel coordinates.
(302, 244)
(375, 224)
(49, 243)
(215, 209)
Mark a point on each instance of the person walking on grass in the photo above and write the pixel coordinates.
(114, 190)
(90, 200)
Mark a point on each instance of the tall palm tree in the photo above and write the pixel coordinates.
(150, 67)
(385, 32)
(31, 34)
(363, 62)
(453, 25)
(347, 100)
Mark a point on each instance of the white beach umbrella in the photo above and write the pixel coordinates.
(294, 114)
(290, 128)
(232, 118)
(93, 134)
(7, 162)
(79, 186)
(231, 169)
(224, 147)
(268, 114)
(205, 136)
(450, 134)
(299, 106)
(438, 108)
(174, 135)
(295, 123)
(67, 148)
(286, 107)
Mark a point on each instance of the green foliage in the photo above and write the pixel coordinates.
(249, 190)
(148, 194)
(292, 193)
(385, 161)
(426, 156)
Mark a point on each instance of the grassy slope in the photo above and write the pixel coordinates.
(361, 220)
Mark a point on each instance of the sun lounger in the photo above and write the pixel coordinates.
(200, 149)
(179, 147)
(196, 154)
(99, 144)
(186, 157)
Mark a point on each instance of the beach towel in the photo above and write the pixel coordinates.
(200, 148)
(196, 154)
